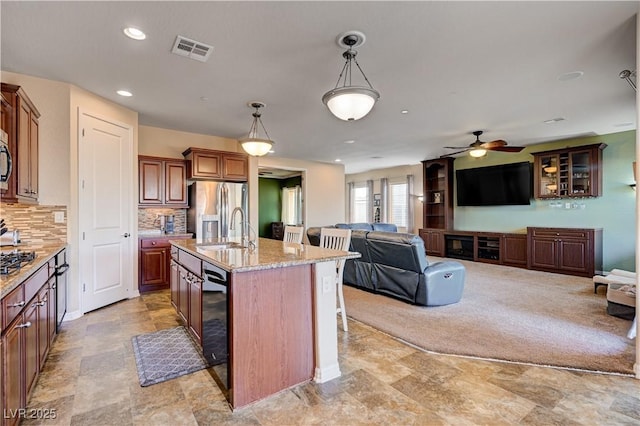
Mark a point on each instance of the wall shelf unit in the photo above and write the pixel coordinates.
(438, 203)
(568, 173)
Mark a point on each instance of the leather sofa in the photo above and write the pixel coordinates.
(395, 264)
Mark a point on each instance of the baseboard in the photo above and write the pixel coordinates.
(328, 373)
(73, 315)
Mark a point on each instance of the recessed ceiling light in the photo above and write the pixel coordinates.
(125, 93)
(553, 120)
(350, 141)
(134, 33)
(404, 111)
(570, 75)
(337, 160)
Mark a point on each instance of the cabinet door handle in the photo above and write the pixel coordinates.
(17, 305)
(42, 303)
(25, 325)
(153, 243)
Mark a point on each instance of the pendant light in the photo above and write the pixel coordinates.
(252, 144)
(348, 102)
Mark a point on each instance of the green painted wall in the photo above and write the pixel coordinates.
(614, 212)
(270, 201)
(269, 205)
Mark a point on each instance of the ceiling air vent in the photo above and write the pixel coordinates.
(191, 49)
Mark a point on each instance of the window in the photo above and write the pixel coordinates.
(398, 208)
(360, 195)
(292, 205)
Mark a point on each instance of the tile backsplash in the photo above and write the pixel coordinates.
(148, 219)
(35, 223)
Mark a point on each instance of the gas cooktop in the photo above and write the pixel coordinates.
(11, 261)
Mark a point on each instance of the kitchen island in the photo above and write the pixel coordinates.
(274, 305)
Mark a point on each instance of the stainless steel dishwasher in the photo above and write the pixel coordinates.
(215, 314)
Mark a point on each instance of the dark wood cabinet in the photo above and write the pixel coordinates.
(174, 283)
(154, 262)
(23, 131)
(569, 173)
(183, 298)
(195, 306)
(216, 165)
(437, 205)
(513, 250)
(28, 330)
(162, 182)
(573, 251)
(12, 384)
(433, 241)
(189, 292)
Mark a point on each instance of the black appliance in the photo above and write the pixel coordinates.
(11, 261)
(506, 184)
(62, 266)
(215, 311)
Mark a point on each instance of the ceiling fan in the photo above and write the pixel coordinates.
(479, 148)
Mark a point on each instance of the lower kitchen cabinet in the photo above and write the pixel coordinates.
(29, 328)
(174, 283)
(195, 307)
(154, 262)
(572, 251)
(186, 291)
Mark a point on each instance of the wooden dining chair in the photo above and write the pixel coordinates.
(293, 234)
(337, 239)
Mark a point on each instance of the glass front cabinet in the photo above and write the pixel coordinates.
(569, 173)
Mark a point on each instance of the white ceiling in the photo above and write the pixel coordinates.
(456, 66)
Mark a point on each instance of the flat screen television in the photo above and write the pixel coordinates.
(502, 185)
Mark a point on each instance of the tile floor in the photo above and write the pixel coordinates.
(90, 379)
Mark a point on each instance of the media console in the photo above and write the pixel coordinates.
(491, 247)
(572, 251)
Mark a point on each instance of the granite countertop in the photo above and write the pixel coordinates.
(155, 233)
(268, 254)
(43, 254)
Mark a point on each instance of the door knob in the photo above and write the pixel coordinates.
(126, 235)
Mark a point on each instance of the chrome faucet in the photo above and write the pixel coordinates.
(244, 230)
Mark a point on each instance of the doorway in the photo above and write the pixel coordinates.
(281, 194)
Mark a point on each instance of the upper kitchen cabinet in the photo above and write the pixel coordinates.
(23, 132)
(216, 165)
(162, 182)
(569, 172)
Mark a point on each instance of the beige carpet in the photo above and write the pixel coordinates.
(509, 314)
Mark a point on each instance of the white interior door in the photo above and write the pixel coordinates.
(105, 160)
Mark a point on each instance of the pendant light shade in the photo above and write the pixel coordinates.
(253, 144)
(346, 101)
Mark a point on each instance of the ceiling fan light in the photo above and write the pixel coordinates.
(478, 152)
(350, 103)
(256, 147)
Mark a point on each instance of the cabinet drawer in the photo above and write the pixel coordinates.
(559, 232)
(12, 304)
(154, 243)
(190, 262)
(34, 283)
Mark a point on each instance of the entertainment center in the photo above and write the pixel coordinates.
(563, 173)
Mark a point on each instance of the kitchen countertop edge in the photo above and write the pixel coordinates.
(289, 259)
(44, 253)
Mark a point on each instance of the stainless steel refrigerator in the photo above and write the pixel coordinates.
(210, 207)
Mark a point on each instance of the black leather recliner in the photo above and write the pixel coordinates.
(395, 264)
